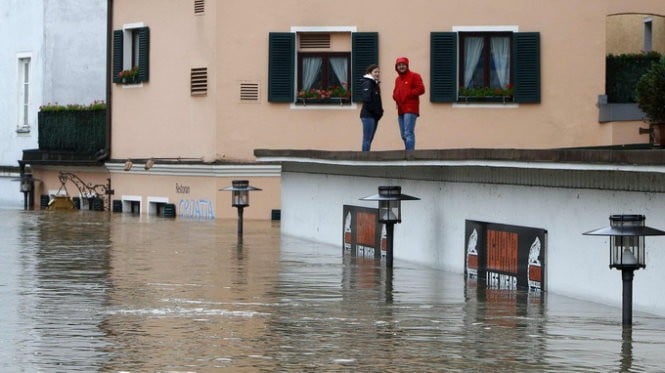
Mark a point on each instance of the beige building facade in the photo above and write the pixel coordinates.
(198, 85)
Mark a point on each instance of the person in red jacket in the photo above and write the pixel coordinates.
(408, 88)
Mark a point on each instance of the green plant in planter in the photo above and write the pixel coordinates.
(95, 105)
(650, 97)
(650, 92)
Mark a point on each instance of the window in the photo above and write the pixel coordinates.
(496, 66)
(484, 65)
(131, 53)
(324, 76)
(319, 63)
(648, 34)
(23, 93)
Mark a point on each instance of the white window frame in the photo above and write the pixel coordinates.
(128, 42)
(152, 204)
(505, 28)
(23, 99)
(648, 34)
(330, 29)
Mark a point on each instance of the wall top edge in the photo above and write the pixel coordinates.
(638, 160)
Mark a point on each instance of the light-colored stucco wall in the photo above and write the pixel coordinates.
(22, 18)
(625, 33)
(432, 231)
(66, 43)
(74, 51)
(160, 118)
(21, 31)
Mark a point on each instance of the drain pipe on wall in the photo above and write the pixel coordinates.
(109, 80)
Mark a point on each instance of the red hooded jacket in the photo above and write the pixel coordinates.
(408, 87)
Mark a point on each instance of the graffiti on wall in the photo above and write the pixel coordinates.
(363, 234)
(196, 209)
(505, 256)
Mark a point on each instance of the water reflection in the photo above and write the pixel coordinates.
(88, 291)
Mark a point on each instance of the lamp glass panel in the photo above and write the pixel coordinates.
(627, 250)
(389, 211)
(25, 186)
(240, 198)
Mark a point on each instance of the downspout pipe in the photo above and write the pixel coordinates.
(109, 80)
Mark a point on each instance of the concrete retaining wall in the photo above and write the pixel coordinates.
(563, 199)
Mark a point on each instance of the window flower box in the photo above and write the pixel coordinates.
(335, 95)
(486, 99)
(130, 76)
(323, 101)
(486, 94)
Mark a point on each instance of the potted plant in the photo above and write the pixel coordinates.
(650, 97)
(130, 76)
(486, 94)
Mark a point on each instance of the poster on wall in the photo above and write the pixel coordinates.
(363, 234)
(505, 256)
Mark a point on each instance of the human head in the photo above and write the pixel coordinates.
(402, 65)
(373, 70)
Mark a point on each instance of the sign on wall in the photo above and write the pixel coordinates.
(505, 256)
(363, 234)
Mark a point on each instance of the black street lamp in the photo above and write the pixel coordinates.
(390, 212)
(27, 186)
(240, 198)
(627, 252)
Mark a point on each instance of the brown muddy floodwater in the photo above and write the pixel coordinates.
(92, 292)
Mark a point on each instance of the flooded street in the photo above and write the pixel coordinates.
(88, 291)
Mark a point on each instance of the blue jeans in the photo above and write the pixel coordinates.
(369, 129)
(407, 126)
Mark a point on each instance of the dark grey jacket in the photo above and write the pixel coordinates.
(371, 95)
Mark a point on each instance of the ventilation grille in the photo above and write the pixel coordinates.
(249, 92)
(314, 40)
(199, 6)
(199, 82)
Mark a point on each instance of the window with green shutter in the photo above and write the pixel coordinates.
(315, 71)
(131, 55)
(486, 67)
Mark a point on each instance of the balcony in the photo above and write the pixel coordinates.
(76, 135)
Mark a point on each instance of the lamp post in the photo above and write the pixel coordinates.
(27, 186)
(627, 254)
(240, 198)
(390, 213)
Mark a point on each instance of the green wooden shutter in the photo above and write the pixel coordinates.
(364, 52)
(443, 67)
(144, 54)
(117, 54)
(526, 67)
(281, 66)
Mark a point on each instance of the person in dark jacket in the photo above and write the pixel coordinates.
(408, 88)
(372, 109)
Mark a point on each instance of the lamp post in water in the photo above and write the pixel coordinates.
(390, 213)
(626, 234)
(240, 198)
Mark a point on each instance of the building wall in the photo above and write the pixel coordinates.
(74, 49)
(432, 231)
(567, 115)
(66, 43)
(625, 33)
(24, 18)
(161, 119)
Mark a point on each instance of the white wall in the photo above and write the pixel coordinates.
(74, 51)
(21, 32)
(66, 43)
(432, 229)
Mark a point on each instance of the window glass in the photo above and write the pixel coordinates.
(24, 91)
(323, 75)
(485, 64)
